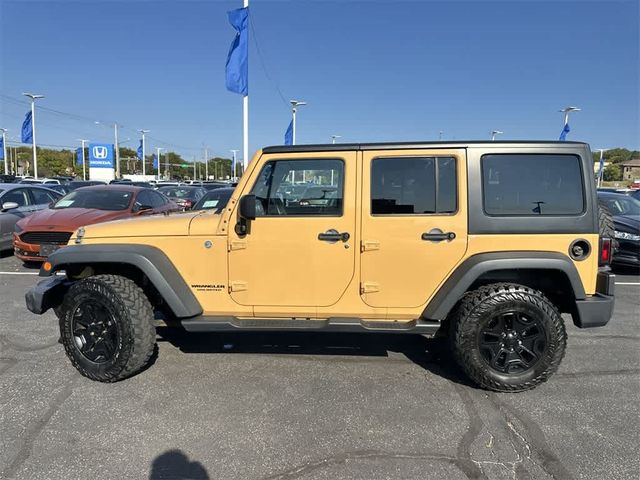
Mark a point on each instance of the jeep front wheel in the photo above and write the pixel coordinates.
(107, 327)
(508, 337)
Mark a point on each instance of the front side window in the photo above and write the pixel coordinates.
(413, 186)
(300, 187)
(532, 185)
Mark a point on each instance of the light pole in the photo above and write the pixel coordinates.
(84, 169)
(233, 165)
(33, 130)
(494, 133)
(206, 163)
(4, 150)
(158, 160)
(194, 167)
(601, 167)
(440, 135)
(333, 138)
(294, 108)
(144, 168)
(566, 129)
(117, 146)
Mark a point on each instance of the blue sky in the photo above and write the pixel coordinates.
(369, 70)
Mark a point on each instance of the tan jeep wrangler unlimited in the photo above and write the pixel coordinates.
(487, 242)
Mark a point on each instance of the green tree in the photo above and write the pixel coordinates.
(612, 172)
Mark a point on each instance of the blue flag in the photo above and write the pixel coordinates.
(288, 135)
(27, 128)
(237, 69)
(601, 169)
(140, 150)
(155, 161)
(565, 130)
(1, 148)
(79, 156)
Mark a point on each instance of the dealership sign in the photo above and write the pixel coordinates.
(100, 155)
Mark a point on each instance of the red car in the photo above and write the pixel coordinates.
(40, 234)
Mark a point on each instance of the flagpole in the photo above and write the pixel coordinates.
(143, 151)
(245, 116)
(84, 169)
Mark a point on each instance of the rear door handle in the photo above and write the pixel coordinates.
(333, 236)
(437, 235)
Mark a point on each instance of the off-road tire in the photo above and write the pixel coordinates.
(478, 307)
(134, 319)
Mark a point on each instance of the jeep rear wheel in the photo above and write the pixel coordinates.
(107, 327)
(508, 337)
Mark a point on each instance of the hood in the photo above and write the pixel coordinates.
(627, 223)
(70, 219)
(147, 226)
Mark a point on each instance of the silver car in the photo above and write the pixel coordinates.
(18, 201)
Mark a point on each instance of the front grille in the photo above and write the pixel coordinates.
(37, 238)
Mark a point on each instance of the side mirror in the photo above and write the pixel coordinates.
(247, 209)
(11, 205)
(143, 208)
(246, 212)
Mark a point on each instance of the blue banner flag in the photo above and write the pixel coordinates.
(288, 135)
(155, 161)
(27, 128)
(565, 130)
(237, 69)
(140, 150)
(1, 148)
(601, 169)
(79, 156)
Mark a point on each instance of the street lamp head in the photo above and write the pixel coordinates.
(569, 109)
(297, 103)
(32, 96)
(142, 131)
(497, 132)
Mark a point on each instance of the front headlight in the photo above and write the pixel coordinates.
(626, 236)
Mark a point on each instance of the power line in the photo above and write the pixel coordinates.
(262, 62)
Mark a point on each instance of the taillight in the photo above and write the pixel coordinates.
(605, 251)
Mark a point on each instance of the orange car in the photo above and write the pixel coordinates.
(40, 234)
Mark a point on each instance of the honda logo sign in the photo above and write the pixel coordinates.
(100, 155)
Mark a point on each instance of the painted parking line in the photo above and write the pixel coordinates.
(18, 273)
(627, 283)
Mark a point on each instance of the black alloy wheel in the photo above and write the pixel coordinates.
(95, 331)
(512, 342)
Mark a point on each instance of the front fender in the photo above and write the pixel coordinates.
(150, 260)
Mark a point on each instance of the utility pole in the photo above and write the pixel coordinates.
(4, 150)
(33, 130)
(158, 157)
(144, 171)
(233, 165)
(84, 169)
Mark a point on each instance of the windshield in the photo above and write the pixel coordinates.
(99, 199)
(178, 192)
(622, 205)
(216, 199)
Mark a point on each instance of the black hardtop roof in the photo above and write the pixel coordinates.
(334, 147)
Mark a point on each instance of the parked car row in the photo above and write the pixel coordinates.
(36, 220)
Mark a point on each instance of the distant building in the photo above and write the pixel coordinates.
(596, 166)
(631, 169)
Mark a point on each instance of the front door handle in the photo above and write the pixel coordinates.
(437, 235)
(333, 236)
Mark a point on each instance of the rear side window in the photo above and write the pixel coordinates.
(532, 185)
(413, 185)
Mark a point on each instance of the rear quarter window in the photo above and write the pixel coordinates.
(532, 185)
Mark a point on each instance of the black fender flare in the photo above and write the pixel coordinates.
(473, 267)
(148, 259)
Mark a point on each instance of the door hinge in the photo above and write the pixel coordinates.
(369, 287)
(368, 245)
(237, 245)
(238, 286)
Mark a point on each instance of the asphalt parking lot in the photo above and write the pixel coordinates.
(312, 406)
